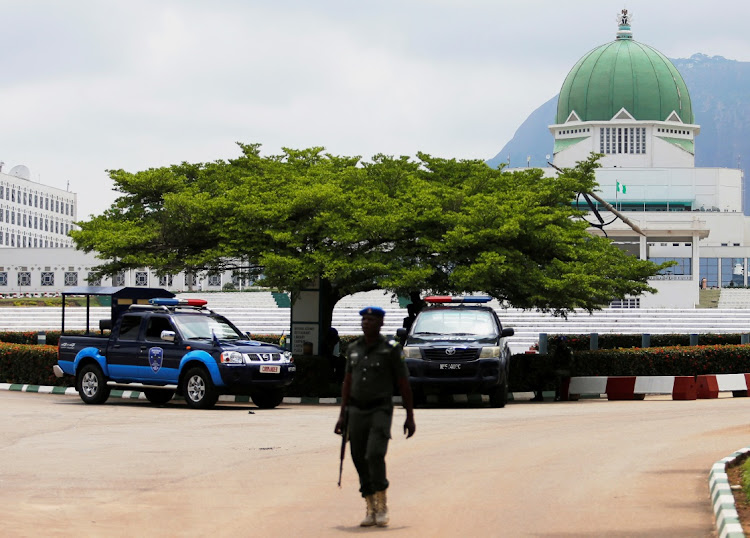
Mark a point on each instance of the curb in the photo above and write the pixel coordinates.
(727, 520)
(226, 398)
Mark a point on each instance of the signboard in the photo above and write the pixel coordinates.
(303, 333)
(306, 321)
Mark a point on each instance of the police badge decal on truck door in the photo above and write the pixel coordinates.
(155, 358)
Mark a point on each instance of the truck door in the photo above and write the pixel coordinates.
(163, 357)
(124, 349)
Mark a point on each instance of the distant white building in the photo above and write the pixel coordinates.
(33, 215)
(49, 271)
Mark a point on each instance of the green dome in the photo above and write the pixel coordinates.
(624, 74)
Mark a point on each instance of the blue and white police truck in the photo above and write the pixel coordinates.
(170, 346)
(458, 345)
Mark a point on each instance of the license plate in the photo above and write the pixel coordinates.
(450, 366)
(269, 369)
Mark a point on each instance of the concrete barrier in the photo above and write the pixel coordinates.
(636, 387)
(708, 387)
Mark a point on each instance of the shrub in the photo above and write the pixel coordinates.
(581, 342)
(30, 365)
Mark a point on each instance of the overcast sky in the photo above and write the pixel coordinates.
(91, 85)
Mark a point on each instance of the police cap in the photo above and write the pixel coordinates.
(372, 311)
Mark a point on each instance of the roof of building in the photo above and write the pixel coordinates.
(624, 74)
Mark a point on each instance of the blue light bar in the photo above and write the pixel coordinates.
(163, 301)
(477, 299)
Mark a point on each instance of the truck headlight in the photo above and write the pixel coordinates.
(411, 352)
(287, 356)
(231, 357)
(490, 352)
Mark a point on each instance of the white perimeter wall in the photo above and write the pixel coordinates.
(672, 294)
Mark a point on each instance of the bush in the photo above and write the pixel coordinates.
(669, 361)
(581, 342)
(30, 365)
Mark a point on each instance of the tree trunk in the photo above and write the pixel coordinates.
(329, 296)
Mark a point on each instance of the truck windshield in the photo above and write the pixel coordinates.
(454, 321)
(204, 327)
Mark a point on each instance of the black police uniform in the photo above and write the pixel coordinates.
(374, 370)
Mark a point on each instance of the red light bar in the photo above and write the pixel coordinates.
(438, 299)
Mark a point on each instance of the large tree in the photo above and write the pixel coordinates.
(443, 225)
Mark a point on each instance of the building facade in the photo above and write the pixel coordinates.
(49, 271)
(33, 215)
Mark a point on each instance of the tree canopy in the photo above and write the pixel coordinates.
(392, 223)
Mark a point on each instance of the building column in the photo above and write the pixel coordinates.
(696, 260)
(643, 255)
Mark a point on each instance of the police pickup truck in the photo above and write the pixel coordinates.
(458, 345)
(174, 346)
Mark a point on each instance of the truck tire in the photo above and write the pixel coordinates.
(198, 389)
(92, 385)
(499, 395)
(158, 396)
(267, 398)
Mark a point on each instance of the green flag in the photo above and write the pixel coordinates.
(622, 188)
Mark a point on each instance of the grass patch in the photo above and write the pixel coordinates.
(746, 478)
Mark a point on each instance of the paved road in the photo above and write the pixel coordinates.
(588, 468)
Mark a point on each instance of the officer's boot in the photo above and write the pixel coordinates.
(369, 519)
(381, 509)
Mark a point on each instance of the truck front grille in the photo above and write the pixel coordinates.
(263, 357)
(451, 353)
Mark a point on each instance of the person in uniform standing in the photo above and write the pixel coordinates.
(374, 366)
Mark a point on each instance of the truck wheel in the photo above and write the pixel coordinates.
(91, 385)
(198, 389)
(158, 396)
(499, 395)
(267, 398)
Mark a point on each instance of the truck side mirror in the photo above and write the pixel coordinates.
(401, 333)
(168, 336)
(507, 332)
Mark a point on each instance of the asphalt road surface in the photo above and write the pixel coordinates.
(587, 468)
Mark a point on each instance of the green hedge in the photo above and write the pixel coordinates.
(680, 360)
(581, 342)
(30, 365)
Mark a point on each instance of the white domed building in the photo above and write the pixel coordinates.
(627, 101)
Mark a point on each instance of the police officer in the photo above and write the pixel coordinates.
(374, 365)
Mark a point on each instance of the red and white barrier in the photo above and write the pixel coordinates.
(636, 387)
